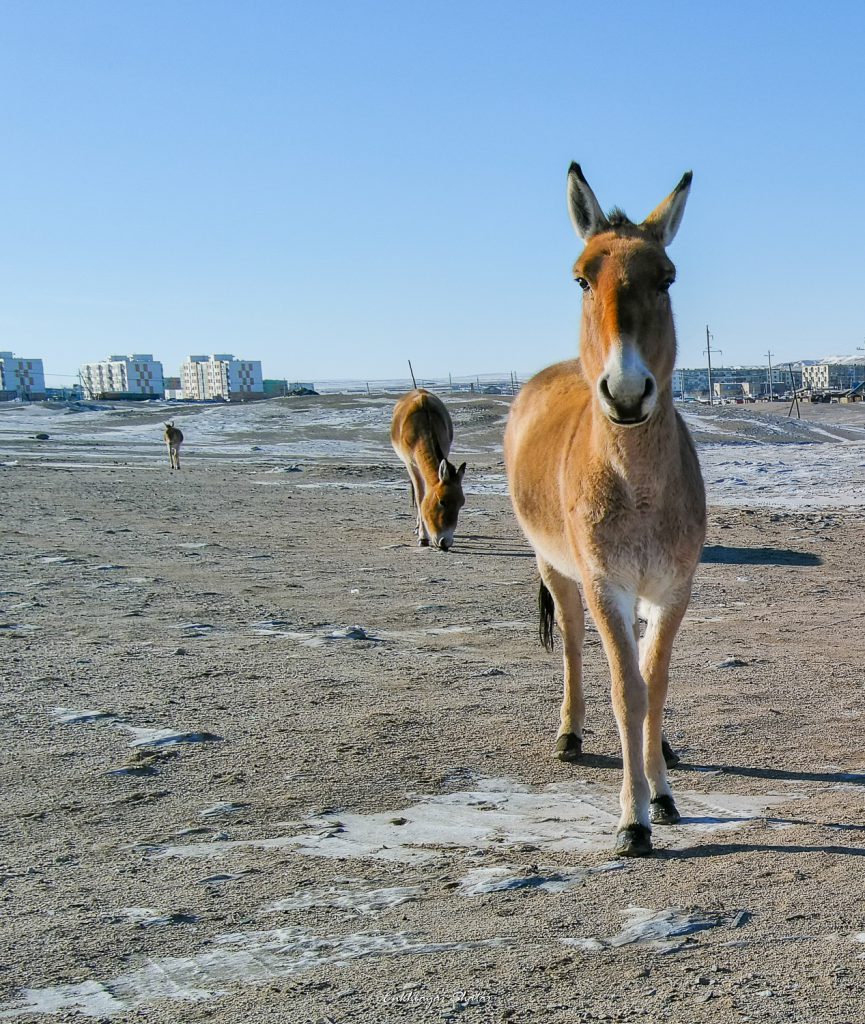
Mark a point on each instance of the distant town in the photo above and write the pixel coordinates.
(139, 377)
(224, 378)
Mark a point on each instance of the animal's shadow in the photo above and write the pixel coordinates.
(605, 762)
(720, 554)
(478, 544)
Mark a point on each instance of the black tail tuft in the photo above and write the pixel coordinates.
(411, 494)
(547, 610)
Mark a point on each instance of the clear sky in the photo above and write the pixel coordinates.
(336, 187)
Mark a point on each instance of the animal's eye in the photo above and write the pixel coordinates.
(583, 283)
(664, 286)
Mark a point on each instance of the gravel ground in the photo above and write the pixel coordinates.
(263, 759)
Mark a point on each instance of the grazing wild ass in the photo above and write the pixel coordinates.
(173, 437)
(421, 433)
(606, 486)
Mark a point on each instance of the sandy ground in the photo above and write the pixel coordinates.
(263, 759)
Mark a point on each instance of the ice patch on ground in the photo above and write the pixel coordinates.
(363, 902)
(574, 817)
(482, 881)
(68, 716)
(142, 736)
(319, 638)
(241, 958)
(660, 929)
(146, 737)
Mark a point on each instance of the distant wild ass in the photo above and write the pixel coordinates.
(422, 433)
(173, 437)
(606, 486)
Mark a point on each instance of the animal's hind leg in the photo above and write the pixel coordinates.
(671, 758)
(664, 622)
(570, 619)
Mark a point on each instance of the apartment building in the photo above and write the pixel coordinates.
(748, 380)
(221, 376)
(135, 376)
(21, 378)
(833, 375)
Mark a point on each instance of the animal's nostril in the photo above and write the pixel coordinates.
(649, 388)
(605, 389)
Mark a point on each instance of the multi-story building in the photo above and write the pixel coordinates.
(21, 378)
(173, 387)
(841, 374)
(135, 376)
(751, 380)
(221, 376)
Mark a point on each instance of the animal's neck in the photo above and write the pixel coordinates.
(427, 458)
(644, 453)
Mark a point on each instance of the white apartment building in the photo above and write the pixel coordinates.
(221, 376)
(136, 375)
(21, 378)
(833, 375)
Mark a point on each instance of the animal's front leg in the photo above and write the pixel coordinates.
(418, 491)
(663, 624)
(614, 609)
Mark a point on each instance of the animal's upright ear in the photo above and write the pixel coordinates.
(585, 210)
(461, 472)
(444, 471)
(665, 219)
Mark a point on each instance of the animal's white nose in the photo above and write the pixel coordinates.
(628, 400)
(627, 389)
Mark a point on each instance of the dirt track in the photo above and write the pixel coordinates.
(220, 602)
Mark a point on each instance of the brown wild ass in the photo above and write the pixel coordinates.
(606, 486)
(173, 437)
(421, 433)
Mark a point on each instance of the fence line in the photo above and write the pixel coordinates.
(506, 383)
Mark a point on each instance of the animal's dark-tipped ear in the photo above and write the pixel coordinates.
(461, 472)
(585, 210)
(665, 219)
(444, 470)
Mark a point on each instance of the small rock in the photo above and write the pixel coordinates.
(41, 437)
(731, 663)
(399, 821)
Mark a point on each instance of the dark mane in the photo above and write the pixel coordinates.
(618, 218)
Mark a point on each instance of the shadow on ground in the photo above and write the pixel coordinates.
(718, 554)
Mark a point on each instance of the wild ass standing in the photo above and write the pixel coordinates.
(422, 433)
(173, 437)
(606, 486)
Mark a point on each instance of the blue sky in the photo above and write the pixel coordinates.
(335, 188)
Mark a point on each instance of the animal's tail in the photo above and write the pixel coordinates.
(547, 610)
(411, 494)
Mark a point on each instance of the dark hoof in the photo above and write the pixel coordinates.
(633, 841)
(569, 747)
(422, 542)
(662, 811)
(671, 758)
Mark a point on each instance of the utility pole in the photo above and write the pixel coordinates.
(771, 391)
(709, 350)
(411, 371)
(795, 393)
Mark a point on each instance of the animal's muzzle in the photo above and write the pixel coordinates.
(628, 401)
